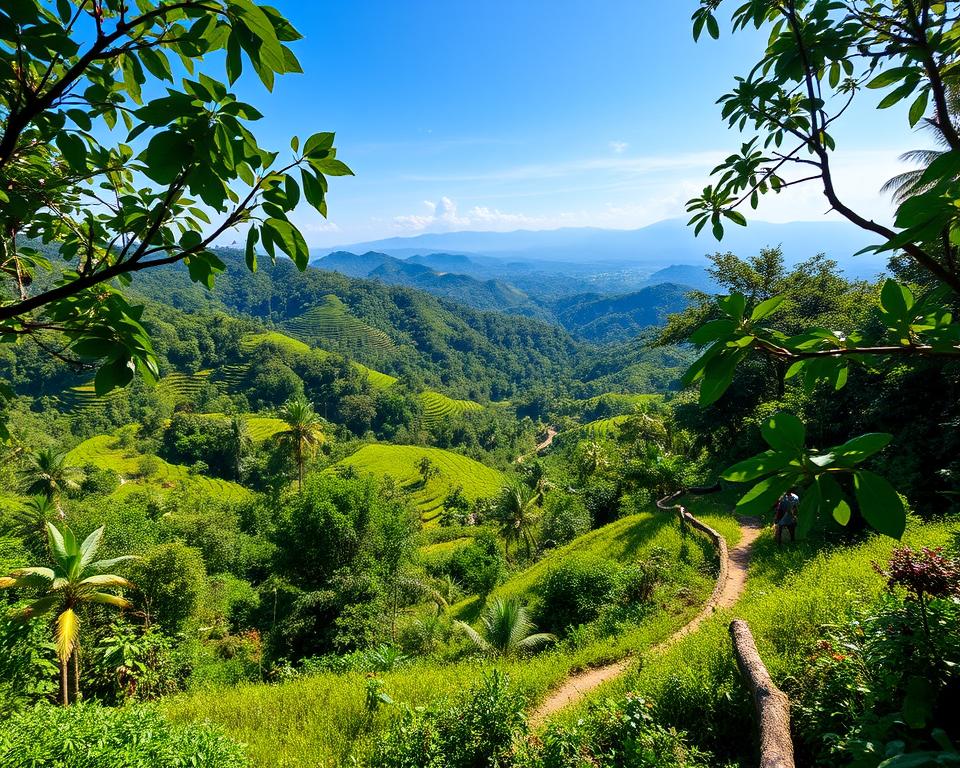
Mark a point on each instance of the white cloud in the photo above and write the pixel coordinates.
(619, 146)
(442, 215)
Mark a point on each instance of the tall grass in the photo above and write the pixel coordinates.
(791, 596)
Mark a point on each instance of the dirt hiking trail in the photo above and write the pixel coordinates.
(725, 594)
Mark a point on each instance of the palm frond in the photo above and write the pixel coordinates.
(38, 607)
(106, 580)
(536, 642)
(102, 565)
(108, 599)
(57, 544)
(89, 547)
(66, 633)
(475, 637)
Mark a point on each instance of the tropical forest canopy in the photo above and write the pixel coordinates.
(389, 510)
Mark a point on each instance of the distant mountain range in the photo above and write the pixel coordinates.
(651, 248)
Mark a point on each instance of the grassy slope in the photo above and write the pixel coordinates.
(321, 719)
(100, 452)
(791, 594)
(400, 463)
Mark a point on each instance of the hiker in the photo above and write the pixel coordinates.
(786, 516)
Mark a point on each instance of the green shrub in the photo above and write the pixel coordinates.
(171, 580)
(575, 592)
(480, 565)
(615, 734)
(478, 730)
(564, 519)
(89, 736)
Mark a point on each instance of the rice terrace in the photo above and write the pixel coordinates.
(500, 385)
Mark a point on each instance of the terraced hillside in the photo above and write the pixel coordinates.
(103, 451)
(234, 374)
(594, 430)
(331, 323)
(400, 462)
(83, 401)
(437, 406)
(175, 388)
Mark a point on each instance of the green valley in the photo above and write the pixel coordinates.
(442, 441)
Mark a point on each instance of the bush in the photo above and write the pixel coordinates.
(171, 579)
(98, 481)
(479, 729)
(575, 591)
(564, 518)
(480, 565)
(615, 734)
(89, 736)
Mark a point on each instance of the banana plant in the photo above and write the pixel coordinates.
(75, 579)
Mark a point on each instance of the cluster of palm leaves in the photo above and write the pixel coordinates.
(77, 578)
(303, 434)
(506, 630)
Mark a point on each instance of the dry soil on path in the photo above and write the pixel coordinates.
(577, 686)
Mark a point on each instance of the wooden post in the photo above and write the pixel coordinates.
(772, 704)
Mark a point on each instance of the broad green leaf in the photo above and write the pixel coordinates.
(895, 298)
(807, 511)
(879, 503)
(756, 466)
(784, 432)
(760, 499)
(253, 237)
(112, 375)
(717, 376)
(766, 308)
(832, 499)
(859, 448)
(711, 331)
(734, 305)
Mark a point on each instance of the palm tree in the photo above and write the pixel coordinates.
(304, 432)
(537, 479)
(29, 523)
(506, 630)
(516, 513)
(48, 473)
(907, 184)
(75, 579)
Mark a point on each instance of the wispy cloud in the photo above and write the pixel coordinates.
(619, 146)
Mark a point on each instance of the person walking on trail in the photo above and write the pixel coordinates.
(786, 516)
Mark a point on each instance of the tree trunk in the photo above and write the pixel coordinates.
(64, 683)
(76, 674)
(772, 704)
(300, 466)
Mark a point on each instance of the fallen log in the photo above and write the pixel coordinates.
(772, 704)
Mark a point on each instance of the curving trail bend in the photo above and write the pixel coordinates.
(730, 585)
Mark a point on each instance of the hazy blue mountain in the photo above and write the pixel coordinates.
(599, 318)
(352, 264)
(651, 248)
(685, 274)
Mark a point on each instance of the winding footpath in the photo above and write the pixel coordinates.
(541, 447)
(730, 585)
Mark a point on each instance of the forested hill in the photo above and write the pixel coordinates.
(396, 329)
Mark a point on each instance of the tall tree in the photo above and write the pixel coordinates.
(303, 433)
(516, 513)
(74, 580)
(187, 170)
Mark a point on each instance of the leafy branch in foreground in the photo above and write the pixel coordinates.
(789, 463)
(186, 170)
(820, 56)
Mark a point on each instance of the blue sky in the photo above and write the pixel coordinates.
(528, 114)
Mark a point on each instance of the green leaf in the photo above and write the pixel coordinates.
(760, 499)
(114, 374)
(919, 107)
(890, 76)
(756, 466)
(807, 511)
(895, 298)
(318, 143)
(879, 503)
(734, 305)
(784, 432)
(711, 331)
(290, 240)
(859, 448)
(331, 167)
(713, 29)
(717, 376)
(73, 149)
(253, 236)
(832, 499)
(766, 308)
